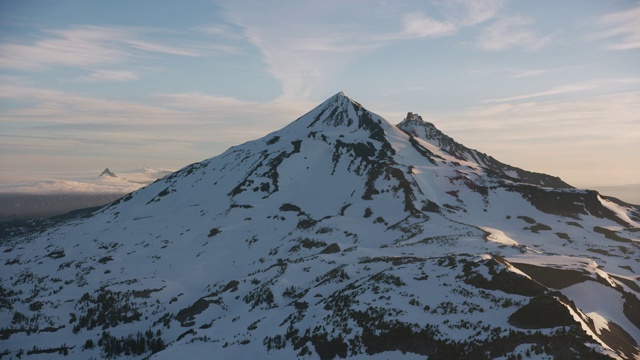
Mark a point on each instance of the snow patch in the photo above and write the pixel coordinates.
(594, 297)
(599, 322)
(498, 236)
(619, 211)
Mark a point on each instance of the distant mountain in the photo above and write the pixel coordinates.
(108, 172)
(340, 235)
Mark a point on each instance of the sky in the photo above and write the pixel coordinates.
(548, 86)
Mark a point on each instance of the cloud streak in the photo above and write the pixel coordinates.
(420, 25)
(623, 26)
(456, 15)
(107, 75)
(59, 50)
(565, 89)
(64, 107)
(91, 46)
(305, 54)
(511, 32)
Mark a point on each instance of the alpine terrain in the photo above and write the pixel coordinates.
(338, 236)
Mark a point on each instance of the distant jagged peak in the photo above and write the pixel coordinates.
(413, 125)
(108, 173)
(414, 117)
(413, 121)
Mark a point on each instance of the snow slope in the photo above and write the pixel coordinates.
(340, 235)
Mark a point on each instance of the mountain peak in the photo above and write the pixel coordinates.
(341, 95)
(340, 111)
(108, 172)
(341, 99)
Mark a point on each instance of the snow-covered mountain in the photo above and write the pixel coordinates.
(340, 235)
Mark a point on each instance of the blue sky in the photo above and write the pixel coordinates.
(549, 86)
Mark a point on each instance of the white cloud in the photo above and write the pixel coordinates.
(161, 48)
(108, 75)
(457, 15)
(509, 33)
(55, 186)
(421, 25)
(623, 27)
(479, 11)
(219, 31)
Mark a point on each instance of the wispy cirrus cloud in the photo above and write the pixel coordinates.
(525, 73)
(303, 52)
(622, 27)
(59, 49)
(564, 89)
(315, 42)
(195, 116)
(107, 76)
(94, 46)
(456, 15)
(43, 124)
(479, 11)
(421, 25)
(511, 32)
(56, 106)
(236, 113)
